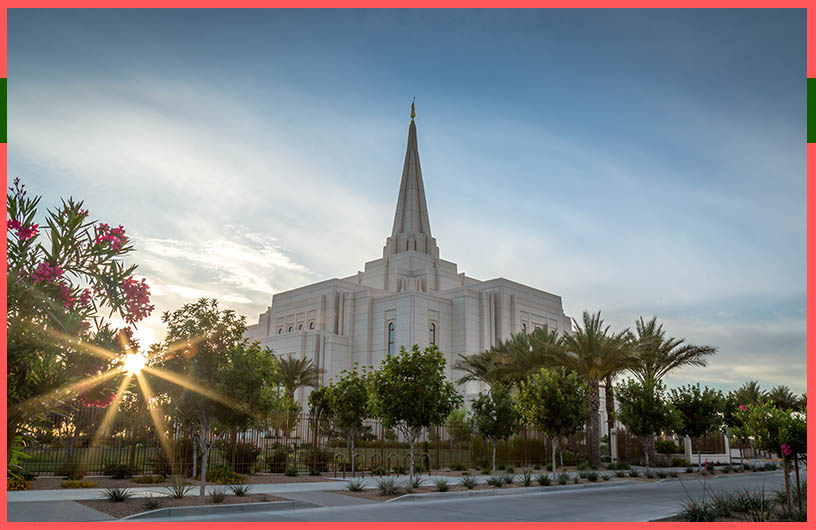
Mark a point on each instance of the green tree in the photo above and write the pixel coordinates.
(553, 401)
(749, 393)
(495, 416)
(348, 402)
(410, 392)
(782, 398)
(482, 366)
(61, 277)
(295, 373)
(654, 355)
(220, 381)
(699, 411)
(459, 426)
(594, 352)
(645, 411)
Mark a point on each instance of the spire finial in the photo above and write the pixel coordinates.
(413, 111)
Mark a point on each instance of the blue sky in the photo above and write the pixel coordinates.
(637, 162)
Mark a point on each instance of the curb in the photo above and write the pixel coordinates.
(510, 491)
(180, 511)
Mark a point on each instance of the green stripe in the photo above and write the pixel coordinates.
(4, 110)
(811, 110)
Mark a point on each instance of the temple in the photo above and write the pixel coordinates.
(408, 296)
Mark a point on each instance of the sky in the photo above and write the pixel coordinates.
(635, 162)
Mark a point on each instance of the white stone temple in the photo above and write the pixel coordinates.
(408, 296)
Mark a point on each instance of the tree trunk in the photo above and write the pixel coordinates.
(411, 442)
(195, 458)
(798, 487)
(609, 398)
(494, 457)
(594, 425)
(646, 451)
(351, 443)
(554, 448)
(787, 481)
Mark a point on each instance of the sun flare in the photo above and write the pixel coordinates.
(133, 363)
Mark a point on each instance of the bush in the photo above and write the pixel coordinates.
(151, 502)
(592, 476)
(689, 469)
(18, 484)
(399, 470)
(496, 482)
(563, 478)
(500, 467)
(543, 480)
(770, 466)
(537, 467)
(510, 469)
(508, 478)
(276, 462)
(634, 473)
(576, 479)
(417, 482)
(612, 466)
(148, 479)
(321, 462)
(469, 482)
(649, 474)
(726, 469)
(218, 495)
(485, 471)
(244, 454)
(620, 473)
(441, 484)
(605, 477)
(549, 467)
(746, 466)
(118, 471)
(680, 462)
(117, 494)
(76, 484)
(698, 512)
(240, 490)
(291, 472)
(526, 477)
(179, 488)
(456, 466)
(662, 474)
(72, 470)
(224, 475)
(387, 486)
(355, 485)
(624, 466)
(666, 447)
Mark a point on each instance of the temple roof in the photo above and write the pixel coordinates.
(412, 227)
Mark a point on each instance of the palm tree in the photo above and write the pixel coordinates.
(594, 353)
(749, 393)
(482, 366)
(782, 398)
(654, 355)
(295, 373)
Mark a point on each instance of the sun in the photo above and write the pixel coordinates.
(133, 363)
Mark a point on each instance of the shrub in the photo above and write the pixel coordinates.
(662, 474)
(225, 475)
(620, 473)
(510, 469)
(417, 482)
(689, 469)
(179, 488)
(276, 462)
(726, 469)
(624, 466)
(71, 470)
(399, 470)
(240, 490)
(118, 471)
(469, 482)
(563, 478)
(634, 473)
(612, 466)
(291, 472)
(526, 477)
(218, 495)
(441, 484)
(355, 485)
(549, 467)
(75, 484)
(485, 471)
(746, 466)
(543, 479)
(698, 512)
(592, 476)
(680, 462)
(508, 478)
(148, 479)
(387, 486)
(321, 461)
(496, 482)
(151, 502)
(500, 467)
(650, 475)
(18, 484)
(243, 454)
(666, 447)
(537, 467)
(605, 477)
(576, 479)
(770, 466)
(117, 494)
(456, 466)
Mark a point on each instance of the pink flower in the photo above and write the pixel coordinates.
(114, 236)
(46, 273)
(786, 450)
(137, 300)
(85, 298)
(68, 301)
(743, 407)
(13, 224)
(27, 232)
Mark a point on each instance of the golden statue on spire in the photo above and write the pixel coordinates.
(413, 111)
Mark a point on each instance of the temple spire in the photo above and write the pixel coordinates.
(412, 227)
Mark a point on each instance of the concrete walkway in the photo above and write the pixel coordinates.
(53, 511)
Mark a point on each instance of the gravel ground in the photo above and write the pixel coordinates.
(53, 483)
(133, 506)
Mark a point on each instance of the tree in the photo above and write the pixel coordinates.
(482, 366)
(654, 355)
(459, 426)
(57, 285)
(553, 401)
(782, 398)
(594, 352)
(295, 373)
(348, 403)
(749, 393)
(699, 411)
(645, 411)
(219, 379)
(495, 416)
(410, 392)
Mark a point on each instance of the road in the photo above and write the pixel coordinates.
(614, 501)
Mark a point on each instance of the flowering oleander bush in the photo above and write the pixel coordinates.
(66, 277)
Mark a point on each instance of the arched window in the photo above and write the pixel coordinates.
(300, 327)
(280, 331)
(311, 325)
(291, 329)
(432, 333)
(390, 338)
